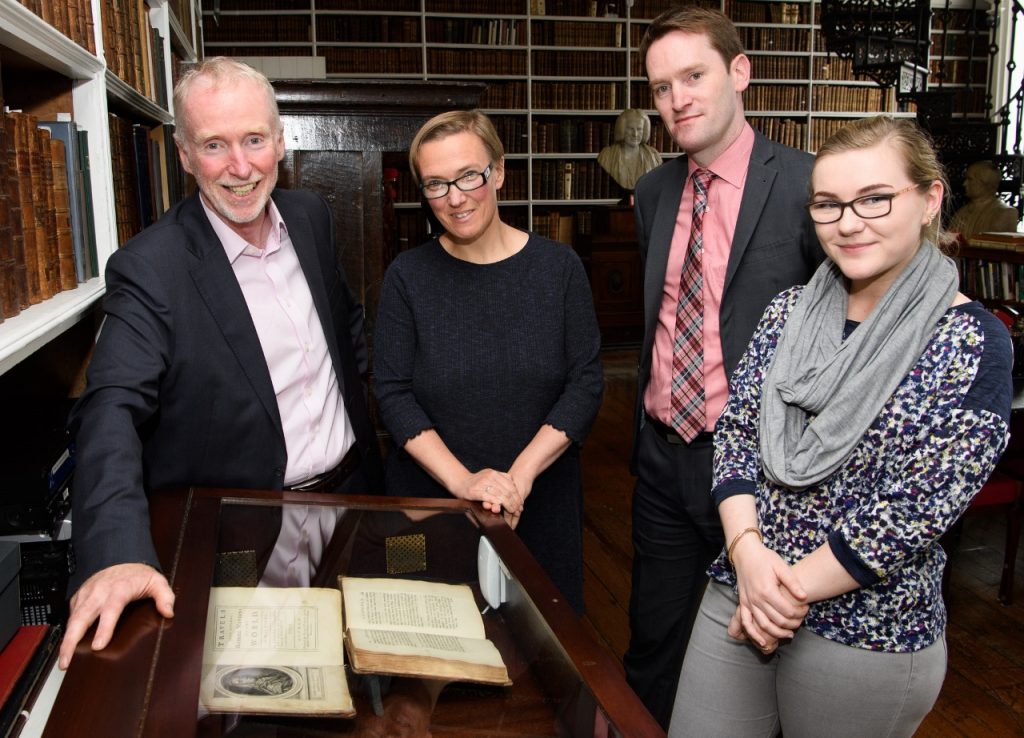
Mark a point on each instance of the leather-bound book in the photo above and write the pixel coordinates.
(62, 216)
(23, 159)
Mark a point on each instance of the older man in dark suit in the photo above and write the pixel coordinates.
(721, 230)
(231, 355)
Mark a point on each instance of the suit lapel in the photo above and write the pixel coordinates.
(217, 286)
(660, 242)
(760, 179)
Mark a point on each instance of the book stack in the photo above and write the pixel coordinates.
(1012, 241)
(73, 18)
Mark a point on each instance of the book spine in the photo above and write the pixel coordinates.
(67, 278)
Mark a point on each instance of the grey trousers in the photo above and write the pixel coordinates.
(808, 688)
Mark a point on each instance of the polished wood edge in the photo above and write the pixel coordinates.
(374, 97)
(174, 691)
(592, 661)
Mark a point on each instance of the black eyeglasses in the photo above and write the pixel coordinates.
(870, 206)
(468, 182)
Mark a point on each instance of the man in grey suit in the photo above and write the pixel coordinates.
(231, 354)
(721, 231)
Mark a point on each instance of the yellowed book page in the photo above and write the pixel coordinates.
(418, 644)
(274, 651)
(410, 605)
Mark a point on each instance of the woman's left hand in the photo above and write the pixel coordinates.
(763, 642)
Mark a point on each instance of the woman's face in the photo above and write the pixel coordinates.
(465, 216)
(871, 252)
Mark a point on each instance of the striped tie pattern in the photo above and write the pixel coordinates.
(688, 415)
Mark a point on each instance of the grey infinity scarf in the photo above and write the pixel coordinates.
(843, 384)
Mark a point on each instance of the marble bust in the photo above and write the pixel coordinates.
(985, 212)
(630, 157)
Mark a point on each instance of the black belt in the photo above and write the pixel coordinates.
(329, 480)
(669, 434)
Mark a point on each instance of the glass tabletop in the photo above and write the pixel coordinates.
(303, 545)
(147, 682)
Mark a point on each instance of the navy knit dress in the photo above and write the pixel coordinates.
(486, 354)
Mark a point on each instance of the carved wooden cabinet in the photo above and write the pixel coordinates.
(337, 134)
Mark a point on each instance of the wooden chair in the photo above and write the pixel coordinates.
(1000, 494)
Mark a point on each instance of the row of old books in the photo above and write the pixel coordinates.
(661, 138)
(588, 8)
(571, 180)
(134, 50)
(457, 61)
(784, 130)
(146, 173)
(73, 18)
(510, 95)
(392, 29)
(774, 39)
(578, 63)
(851, 99)
(231, 6)
(779, 67)
(777, 97)
(512, 130)
(571, 33)
(47, 237)
(577, 95)
(828, 68)
(556, 225)
(571, 135)
(758, 11)
(493, 32)
(991, 280)
(515, 183)
(350, 60)
(248, 29)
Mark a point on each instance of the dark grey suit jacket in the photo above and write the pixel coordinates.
(774, 246)
(179, 392)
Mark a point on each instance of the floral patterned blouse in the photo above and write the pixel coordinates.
(929, 451)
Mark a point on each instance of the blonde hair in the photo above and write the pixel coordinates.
(449, 124)
(915, 147)
(218, 71)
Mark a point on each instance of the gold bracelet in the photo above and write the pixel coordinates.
(736, 540)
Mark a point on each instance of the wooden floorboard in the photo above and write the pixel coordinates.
(983, 695)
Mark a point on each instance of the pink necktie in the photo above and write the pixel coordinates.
(688, 416)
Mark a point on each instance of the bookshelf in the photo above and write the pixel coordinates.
(558, 73)
(83, 73)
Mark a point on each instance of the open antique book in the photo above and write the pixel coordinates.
(416, 628)
(274, 651)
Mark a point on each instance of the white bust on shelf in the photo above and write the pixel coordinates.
(985, 212)
(630, 157)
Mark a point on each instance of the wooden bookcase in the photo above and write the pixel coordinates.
(46, 73)
(558, 74)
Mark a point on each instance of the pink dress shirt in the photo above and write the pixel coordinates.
(317, 430)
(724, 196)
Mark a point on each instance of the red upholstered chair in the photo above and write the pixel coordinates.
(1000, 494)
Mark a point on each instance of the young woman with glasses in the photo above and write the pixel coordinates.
(486, 354)
(870, 407)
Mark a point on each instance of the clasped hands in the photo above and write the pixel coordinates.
(499, 492)
(773, 602)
